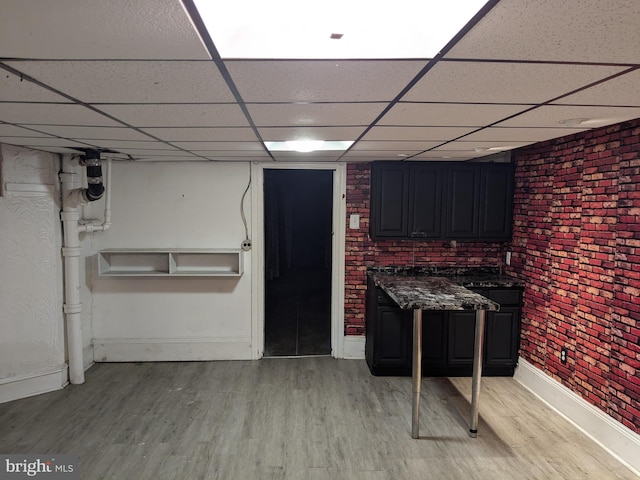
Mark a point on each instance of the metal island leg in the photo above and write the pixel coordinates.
(416, 374)
(477, 372)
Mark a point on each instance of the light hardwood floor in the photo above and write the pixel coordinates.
(307, 418)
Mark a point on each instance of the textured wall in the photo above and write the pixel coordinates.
(30, 271)
(577, 247)
(361, 251)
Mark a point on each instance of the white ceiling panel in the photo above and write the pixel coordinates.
(197, 115)
(555, 115)
(430, 134)
(622, 90)
(7, 130)
(43, 142)
(255, 155)
(474, 147)
(132, 82)
(283, 115)
(449, 114)
(503, 82)
(201, 134)
(82, 29)
(202, 147)
(142, 152)
(15, 89)
(307, 156)
(511, 135)
(576, 30)
(448, 155)
(119, 144)
(322, 80)
(364, 146)
(279, 134)
(52, 114)
(51, 149)
(94, 133)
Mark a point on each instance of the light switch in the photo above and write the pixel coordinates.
(508, 259)
(354, 221)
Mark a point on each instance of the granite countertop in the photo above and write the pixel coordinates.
(425, 292)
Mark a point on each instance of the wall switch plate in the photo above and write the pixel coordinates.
(354, 221)
(508, 259)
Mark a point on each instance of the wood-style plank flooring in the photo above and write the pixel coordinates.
(306, 418)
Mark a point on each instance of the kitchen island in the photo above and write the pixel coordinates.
(418, 293)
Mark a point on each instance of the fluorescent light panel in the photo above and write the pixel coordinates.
(308, 145)
(280, 29)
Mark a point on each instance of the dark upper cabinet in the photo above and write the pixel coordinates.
(462, 200)
(390, 202)
(443, 200)
(496, 200)
(425, 200)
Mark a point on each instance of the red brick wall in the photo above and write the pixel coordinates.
(576, 246)
(362, 252)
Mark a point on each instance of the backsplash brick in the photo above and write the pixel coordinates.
(362, 252)
(576, 247)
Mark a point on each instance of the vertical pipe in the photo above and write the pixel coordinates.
(416, 372)
(72, 305)
(477, 372)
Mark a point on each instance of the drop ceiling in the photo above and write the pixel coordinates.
(139, 80)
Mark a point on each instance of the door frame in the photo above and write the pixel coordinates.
(337, 252)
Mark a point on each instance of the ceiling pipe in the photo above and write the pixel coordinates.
(94, 225)
(73, 198)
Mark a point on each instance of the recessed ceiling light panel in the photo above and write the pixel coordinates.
(279, 29)
(305, 146)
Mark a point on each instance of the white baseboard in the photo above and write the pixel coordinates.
(170, 349)
(87, 357)
(611, 435)
(353, 347)
(35, 383)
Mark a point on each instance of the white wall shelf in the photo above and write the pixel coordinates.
(174, 263)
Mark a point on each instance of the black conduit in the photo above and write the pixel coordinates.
(95, 188)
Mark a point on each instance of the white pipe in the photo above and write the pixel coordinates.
(94, 225)
(72, 198)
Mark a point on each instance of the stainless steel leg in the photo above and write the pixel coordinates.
(416, 372)
(477, 372)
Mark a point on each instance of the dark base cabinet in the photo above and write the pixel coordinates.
(447, 337)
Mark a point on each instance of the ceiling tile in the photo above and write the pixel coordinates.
(575, 31)
(479, 82)
(276, 134)
(15, 89)
(373, 155)
(364, 146)
(448, 155)
(255, 155)
(7, 130)
(94, 133)
(622, 90)
(511, 135)
(142, 152)
(322, 80)
(201, 134)
(473, 147)
(79, 29)
(120, 144)
(42, 142)
(202, 147)
(132, 82)
(315, 114)
(52, 114)
(197, 115)
(449, 114)
(427, 134)
(555, 115)
(306, 156)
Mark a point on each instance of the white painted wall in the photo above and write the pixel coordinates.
(32, 349)
(171, 205)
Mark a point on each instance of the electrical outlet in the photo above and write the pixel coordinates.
(563, 355)
(246, 245)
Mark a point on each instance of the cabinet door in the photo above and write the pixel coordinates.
(501, 337)
(425, 201)
(496, 200)
(463, 184)
(462, 331)
(434, 337)
(392, 338)
(389, 200)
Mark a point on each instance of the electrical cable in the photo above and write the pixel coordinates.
(242, 215)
